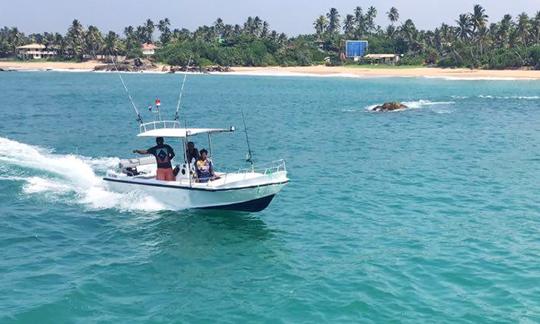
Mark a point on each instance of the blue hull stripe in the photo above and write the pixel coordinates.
(255, 205)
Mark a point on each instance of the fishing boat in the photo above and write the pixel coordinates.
(250, 189)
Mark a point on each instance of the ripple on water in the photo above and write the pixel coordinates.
(427, 215)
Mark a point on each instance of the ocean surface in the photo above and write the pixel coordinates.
(425, 215)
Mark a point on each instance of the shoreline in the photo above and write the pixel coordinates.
(304, 71)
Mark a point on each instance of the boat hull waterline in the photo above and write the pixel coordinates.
(174, 196)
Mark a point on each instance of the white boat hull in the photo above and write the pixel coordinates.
(251, 199)
(244, 191)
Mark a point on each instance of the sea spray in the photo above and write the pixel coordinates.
(62, 176)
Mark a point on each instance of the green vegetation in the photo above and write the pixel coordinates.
(472, 42)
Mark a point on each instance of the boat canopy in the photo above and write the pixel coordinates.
(182, 132)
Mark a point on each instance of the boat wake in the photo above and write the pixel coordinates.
(415, 104)
(67, 178)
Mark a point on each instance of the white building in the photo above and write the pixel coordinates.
(148, 49)
(35, 51)
(383, 58)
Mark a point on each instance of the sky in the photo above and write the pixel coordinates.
(290, 16)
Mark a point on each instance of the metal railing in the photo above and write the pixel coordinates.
(159, 124)
(266, 169)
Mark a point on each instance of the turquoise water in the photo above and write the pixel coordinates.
(425, 215)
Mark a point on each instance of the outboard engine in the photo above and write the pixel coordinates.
(130, 172)
(129, 166)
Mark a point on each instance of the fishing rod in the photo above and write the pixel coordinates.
(176, 114)
(249, 157)
(139, 118)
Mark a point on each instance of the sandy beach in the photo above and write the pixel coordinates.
(56, 66)
(319, 70)
(41, 65)
(354, 71)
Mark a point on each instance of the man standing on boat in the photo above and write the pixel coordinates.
(163, 154)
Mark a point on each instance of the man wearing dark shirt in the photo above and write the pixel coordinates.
(192, 154)
(163, 154)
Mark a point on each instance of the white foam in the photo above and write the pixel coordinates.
(60, 175)
(509, 97)
(38, 185)
(472, 78)
(415, 104)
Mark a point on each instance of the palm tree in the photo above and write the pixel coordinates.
(228, 31)
(393, 15)
(478, 18)
(61, 43)
(133, 37)
(333, 21)
(149, 29)
(265, 29)
(370, 19)
(181, 35)
(48, 39)
(409, 31)
(257, 26)
(141, 35)
(523, 27)
(464, 27)
(10, 38)
(282, 39)
(536, 28)
(163, 27)
(503, 31)
(321, 24)
(219, 26)
(128, 31)
(249, 26)
(111, 44)
(93, 41)
(348, 25)
(360, 22)
(75, 39)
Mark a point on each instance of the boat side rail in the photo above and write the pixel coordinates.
(159, 124)
(265, 168)
(268, 168)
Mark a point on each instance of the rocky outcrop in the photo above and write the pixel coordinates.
(194, 69)
(130, 65)
(389, 106)
(218, 68)
(137, 65)
(199, 69)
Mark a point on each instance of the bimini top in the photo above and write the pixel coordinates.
(172, 129)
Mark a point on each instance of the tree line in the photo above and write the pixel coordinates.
(472, 41)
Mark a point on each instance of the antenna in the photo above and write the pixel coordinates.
(249, 156)
(176, 114)
(139, 118)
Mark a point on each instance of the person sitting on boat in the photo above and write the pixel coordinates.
(204, 167)
(192, 154)
(163, 154)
